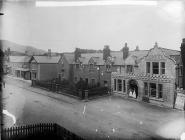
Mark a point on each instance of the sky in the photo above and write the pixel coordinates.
(62, 29)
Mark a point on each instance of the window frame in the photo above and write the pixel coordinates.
(153, 69)
(163, 69)
(148, 67)
(119, 85)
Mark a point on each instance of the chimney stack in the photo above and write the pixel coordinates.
(125, 51)
(183, 60)
(49, 52)
(106, 52)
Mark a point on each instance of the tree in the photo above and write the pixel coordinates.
(106, 52)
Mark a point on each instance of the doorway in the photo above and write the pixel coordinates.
(133, 88)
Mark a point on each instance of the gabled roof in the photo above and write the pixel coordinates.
(69, 57)
(47, 59)
(19, 59)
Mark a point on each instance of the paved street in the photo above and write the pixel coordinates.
(108, 117)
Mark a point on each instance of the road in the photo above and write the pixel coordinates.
(108, 117)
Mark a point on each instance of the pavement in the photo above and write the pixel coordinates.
(110, 117)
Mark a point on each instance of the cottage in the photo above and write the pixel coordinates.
(19, 66)
(152, 76)
(44, 68)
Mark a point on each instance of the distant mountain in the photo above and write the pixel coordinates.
(17, 49)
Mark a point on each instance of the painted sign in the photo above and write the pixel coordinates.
(180, 101)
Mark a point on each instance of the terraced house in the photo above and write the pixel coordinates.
(92, 68)
(150, 74)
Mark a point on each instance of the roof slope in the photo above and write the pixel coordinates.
(47, 59)
(69, 57)
(19, 59)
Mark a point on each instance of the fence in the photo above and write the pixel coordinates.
(72, 90)
(38, 131)
(97, 91)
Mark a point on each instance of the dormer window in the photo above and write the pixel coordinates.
(91, 66)
(108, 67)
(77, 66)
(130, 69)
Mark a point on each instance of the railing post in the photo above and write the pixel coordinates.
(86, 95)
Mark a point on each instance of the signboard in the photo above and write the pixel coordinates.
(180, 101)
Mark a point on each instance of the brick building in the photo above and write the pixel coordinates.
(94, 70)
(19, 66)
(152, 75)
(65, 66)
(44, 68)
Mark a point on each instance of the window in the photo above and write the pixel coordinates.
(147, 67)
(155, 67)
(105, 84)
(181, 71)
(152, 90)
(160, 91)
(119, 85)
(124, 86)
(93, 82)
(86, 80)
(115, 83)
(108, 67)
(162, 67)
(91, 66)
(77, 66)
(146, 88)
(129, 68)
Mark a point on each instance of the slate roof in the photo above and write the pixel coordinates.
(19, 59)
(69, 57)
(170, 52)
(47, 59)
(117, 56)
(98, 60)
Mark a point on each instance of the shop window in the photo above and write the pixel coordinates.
(162, 67)
(124, 86)
(119, 85)
(153, 90)
(146, 89)
(115, 83)
(147, 67)
(160, 91)
(155, 67)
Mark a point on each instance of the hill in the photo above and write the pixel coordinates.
(17, 49)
